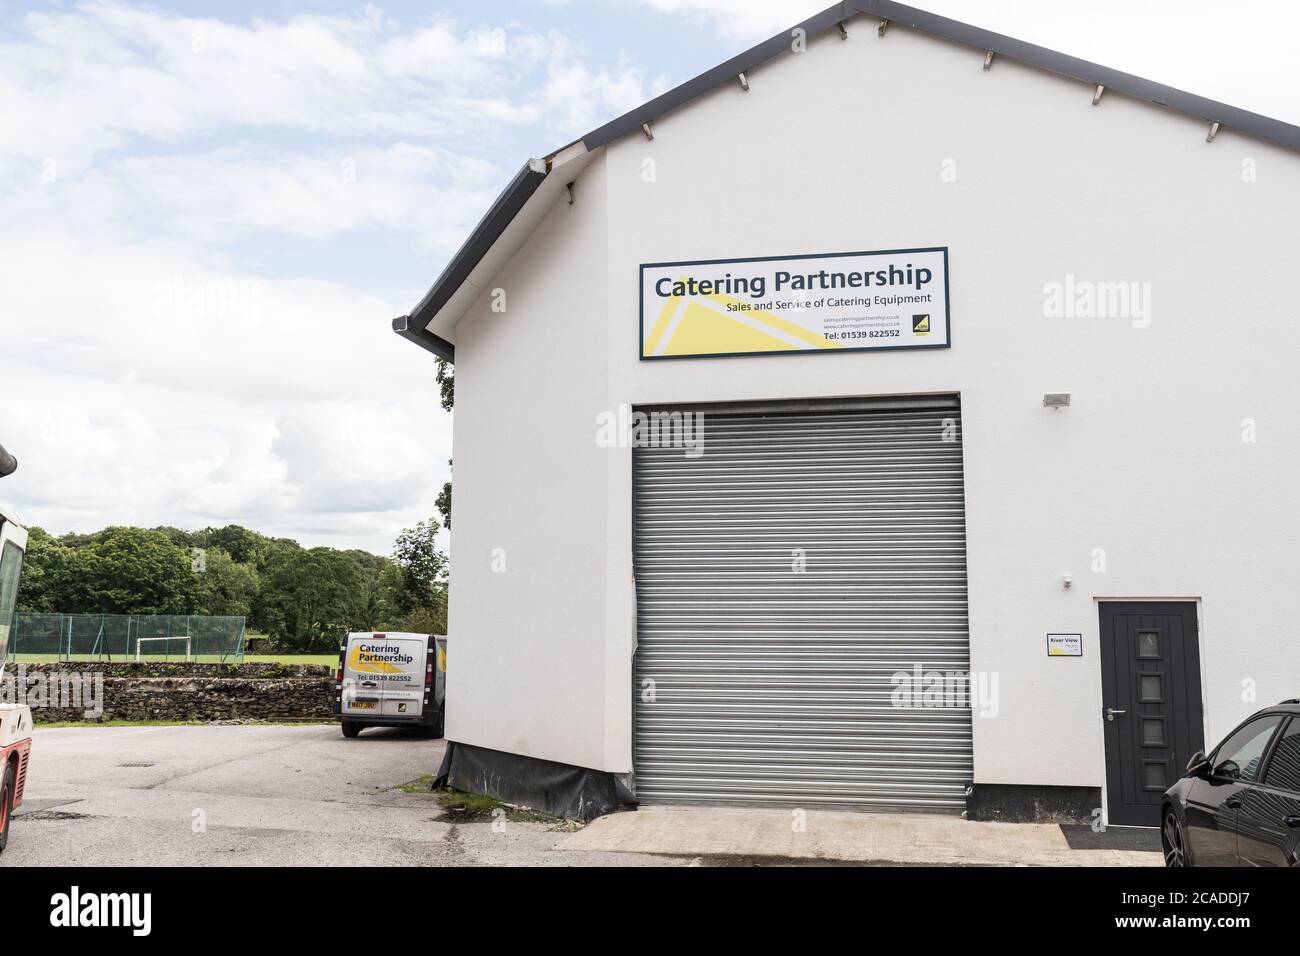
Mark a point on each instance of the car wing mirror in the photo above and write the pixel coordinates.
(1199, 765)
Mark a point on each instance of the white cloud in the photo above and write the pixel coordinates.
(149, 377)
(85, 83)
(579, 97)
(742, 21)
(138, 387)
(225, 193)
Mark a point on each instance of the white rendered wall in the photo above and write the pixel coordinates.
(530, 489)
(842, 148)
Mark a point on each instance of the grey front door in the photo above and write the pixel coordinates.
(1151, 703)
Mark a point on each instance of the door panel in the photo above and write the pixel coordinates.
(1151, 710)
(1212, 821)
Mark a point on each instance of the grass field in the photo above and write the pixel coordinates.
(327, 659)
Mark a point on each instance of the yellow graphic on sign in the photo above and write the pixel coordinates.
(368, 663)
(717, 325)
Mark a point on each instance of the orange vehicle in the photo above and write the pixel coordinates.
(15, 719)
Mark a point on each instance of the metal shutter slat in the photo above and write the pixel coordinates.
(773, 687)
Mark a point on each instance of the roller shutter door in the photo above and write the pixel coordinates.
(761, 684)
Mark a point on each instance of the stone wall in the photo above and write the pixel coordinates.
(202, 692)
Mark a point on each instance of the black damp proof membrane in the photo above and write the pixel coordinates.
(561, 790)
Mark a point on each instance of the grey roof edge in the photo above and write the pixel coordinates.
(1114, 80)
(722, 73)
(412, 331)
(501, 213)
(528, 179)
(1212, 111)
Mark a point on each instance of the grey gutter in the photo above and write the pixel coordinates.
(530, 177)
(484, 236)
(408, 329)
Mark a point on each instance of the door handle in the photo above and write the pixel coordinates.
(1112, 712)
(1233, 802)
(1292, 821)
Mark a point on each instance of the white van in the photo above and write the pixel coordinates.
(391, 680)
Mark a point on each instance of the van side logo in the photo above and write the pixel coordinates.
(376, 659)
(131, 910)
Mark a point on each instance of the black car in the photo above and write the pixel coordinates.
(1240, 806)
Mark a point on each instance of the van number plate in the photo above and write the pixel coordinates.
(363, 705)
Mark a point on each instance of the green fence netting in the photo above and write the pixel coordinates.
(126, 637)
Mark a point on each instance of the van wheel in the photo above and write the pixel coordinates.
(6, 804)
(351, 728)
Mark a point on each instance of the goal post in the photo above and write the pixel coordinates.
(170, 643)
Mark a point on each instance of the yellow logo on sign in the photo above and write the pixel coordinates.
(920, 325)
(367, 663)
(722, 325)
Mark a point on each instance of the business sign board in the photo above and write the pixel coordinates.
(833, 302)
(1064, 645)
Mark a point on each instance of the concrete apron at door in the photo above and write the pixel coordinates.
(902, 838)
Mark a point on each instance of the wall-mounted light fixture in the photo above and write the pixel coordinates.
(1056, 400)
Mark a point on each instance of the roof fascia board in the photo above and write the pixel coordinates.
(1114, 80)
(483, 276)
(1092, 73)
(722, 73)
(485, 234)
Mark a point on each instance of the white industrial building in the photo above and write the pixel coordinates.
(978, 365)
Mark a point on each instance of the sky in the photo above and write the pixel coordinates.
(212, 211)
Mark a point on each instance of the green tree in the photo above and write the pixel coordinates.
(44, 573)
(311, 598)
(443, 503)
(225, 586)
(182, 538)
(424, 620)
(422, 566)
(447, 392)
(271, 553)
(446, 377)
(306, 599)
(128, 571)
(243, 546)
